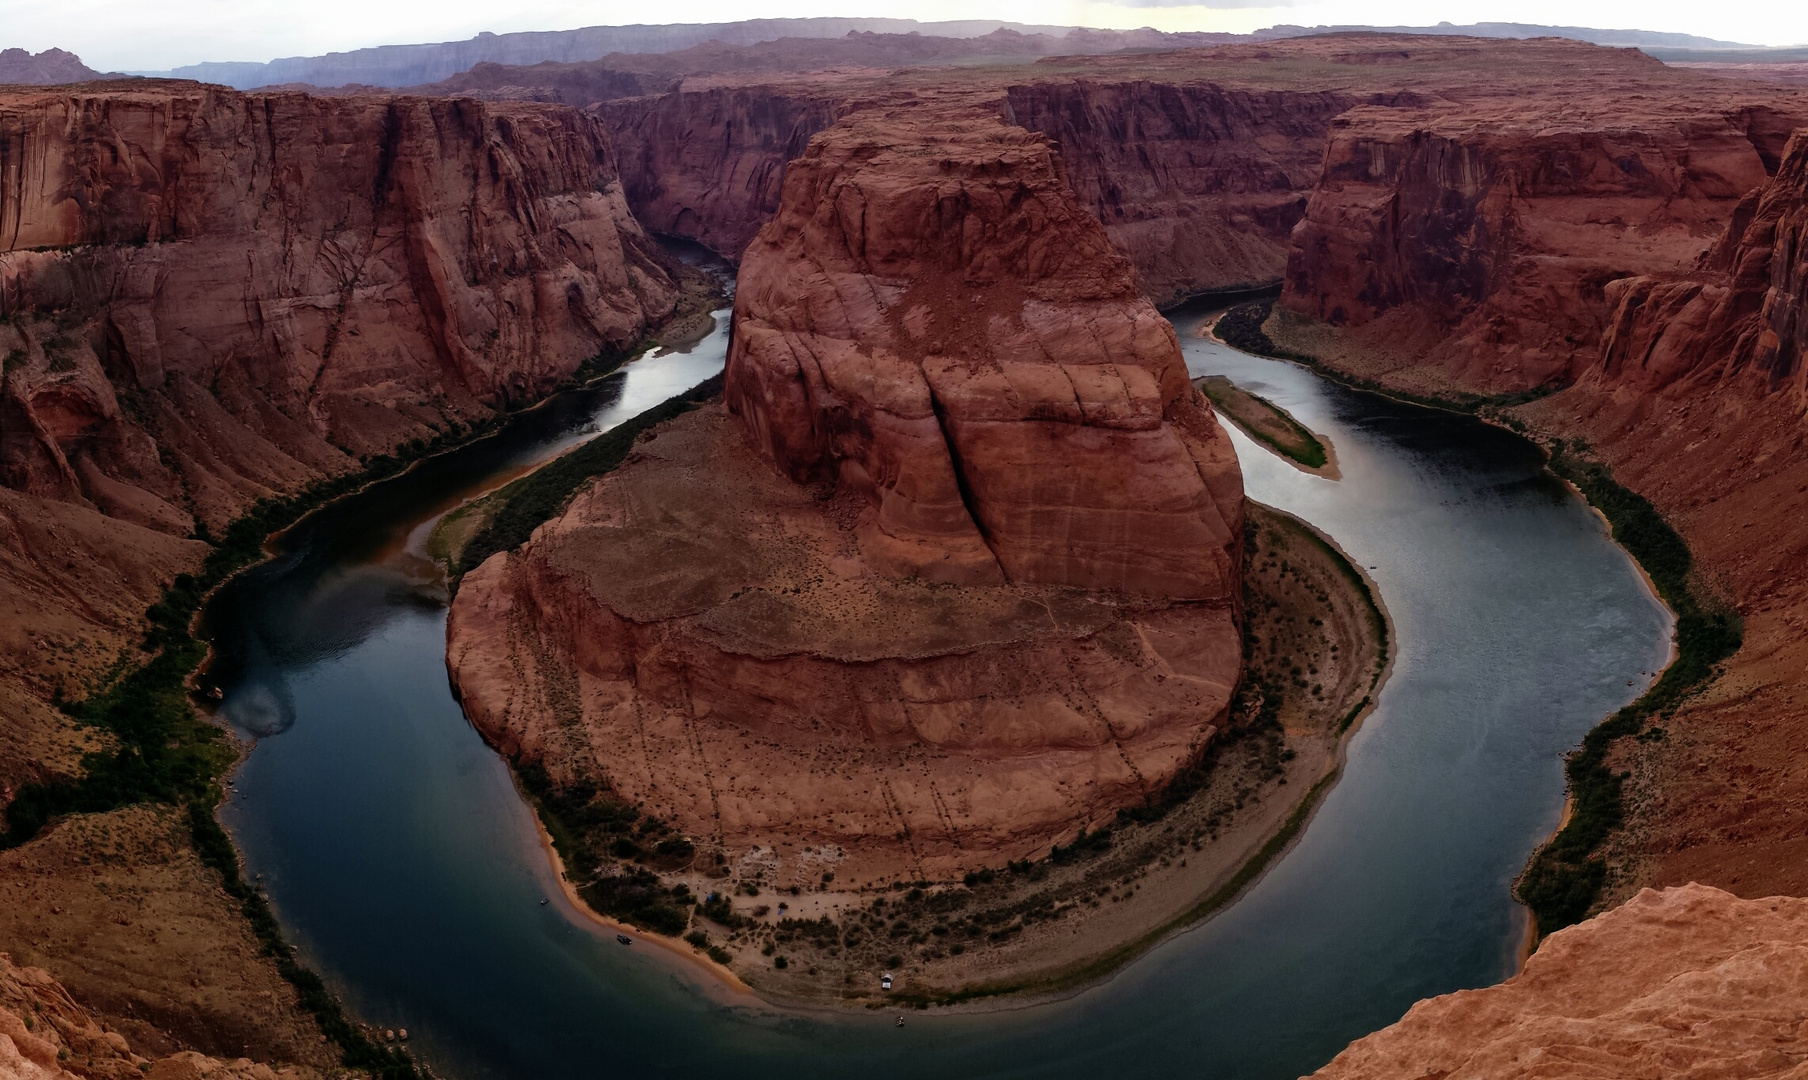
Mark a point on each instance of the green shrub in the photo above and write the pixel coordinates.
(1564, 879)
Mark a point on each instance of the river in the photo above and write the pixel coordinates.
(406, 868)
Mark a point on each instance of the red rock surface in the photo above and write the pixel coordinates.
(250, 290)
(1744, 312)
(848, 619)
(960, 345)
(207, 298)
(1689, 981)
(707, 164)
(1197, 183)
(1478, 236)
(45, 1034)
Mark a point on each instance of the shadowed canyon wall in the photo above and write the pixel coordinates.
(1198, 184)
(212, 296)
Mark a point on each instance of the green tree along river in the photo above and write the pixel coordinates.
(405, 866)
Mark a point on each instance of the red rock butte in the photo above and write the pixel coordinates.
(963, 347)
(952, 575)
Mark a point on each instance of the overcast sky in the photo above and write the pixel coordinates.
(132, 35)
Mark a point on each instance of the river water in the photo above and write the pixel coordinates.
(408, 871)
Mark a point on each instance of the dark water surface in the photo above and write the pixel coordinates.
(403, 863)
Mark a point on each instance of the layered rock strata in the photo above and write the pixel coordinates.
(964, 349)
(1199, 184)
(211, 296)
(951, 576)
(1689, 981)
(1742, 315)
(1200, 162)
(1479, 239)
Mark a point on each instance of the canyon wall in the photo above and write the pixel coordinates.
(1480, 239)
(706, 165)
(1198, 184)
(1440, 260)
(1742, 315)
(207, 298)
(1697, 402)
(210, 297)
(952, 576)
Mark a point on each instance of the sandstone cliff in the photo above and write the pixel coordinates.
(707, 164)
(963, 348)
(1199, 163)
(1197, 183)
(210, 297)
(1478, 238)
(1689, 981)
(1697, 402)
(1743, 314)
(206, 298)
(847, 618)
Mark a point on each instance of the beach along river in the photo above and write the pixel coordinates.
(409, 872)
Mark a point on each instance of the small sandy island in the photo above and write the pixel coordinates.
(1266, 422)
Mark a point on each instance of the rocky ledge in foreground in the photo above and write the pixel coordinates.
(953, 575)
(1689, 981)
(47, 1035)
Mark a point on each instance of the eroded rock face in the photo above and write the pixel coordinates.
(957, 575)
(707, 164)
(1744, 312)
(250, 290)
(1198, 184)
(933, 322)
(1689, 981)
(1485, 235)
(702, 636)
(43, 1029)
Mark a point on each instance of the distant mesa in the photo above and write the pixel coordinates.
(52, 66)
(394, 66)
